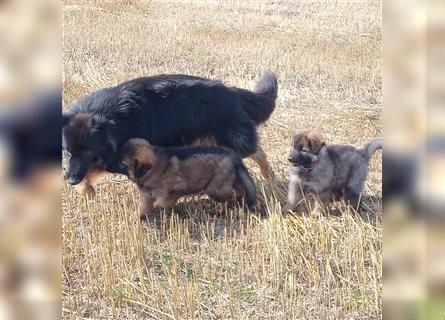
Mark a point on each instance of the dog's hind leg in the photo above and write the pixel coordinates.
(85, 187)
(260, 157)
(352, 197)
(355, 186)
(244, 140)
(221, 188)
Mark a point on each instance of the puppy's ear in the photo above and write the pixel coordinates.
(316, 141)
(140, 169)
(296, 139)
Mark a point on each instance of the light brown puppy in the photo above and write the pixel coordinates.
(327, 170)
(165, 174)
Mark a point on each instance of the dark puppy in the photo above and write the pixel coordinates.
(166, 174)
(327, 170)
(167, 110)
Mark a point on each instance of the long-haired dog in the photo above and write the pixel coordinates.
(327, 170)
(165, 174)
(169, 111)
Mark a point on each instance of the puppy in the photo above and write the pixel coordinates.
(166, 174)
(327, 170)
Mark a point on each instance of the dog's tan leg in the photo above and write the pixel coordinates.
(260, 158)
(293, 196)
(145, 204)
(85, 188)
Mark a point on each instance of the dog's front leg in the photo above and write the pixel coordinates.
(322, 203)
(293, 195)
(85, 187)
(145, 203)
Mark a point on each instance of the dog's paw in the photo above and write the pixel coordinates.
(143, 213)
(286, 210)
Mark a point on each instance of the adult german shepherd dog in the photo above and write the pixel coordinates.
(168, 111)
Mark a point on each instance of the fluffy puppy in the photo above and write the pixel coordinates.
(327, 170)
(165, 174)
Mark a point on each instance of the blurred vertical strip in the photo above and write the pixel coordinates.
(30, 155)
(414, 159)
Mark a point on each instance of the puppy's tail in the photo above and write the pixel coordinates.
(247, 184)
(369, 149)
(260, 103)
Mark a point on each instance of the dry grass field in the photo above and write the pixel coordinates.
(209, 261)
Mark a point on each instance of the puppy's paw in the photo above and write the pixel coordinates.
(288, 208)
(141, 216)
(143, 213)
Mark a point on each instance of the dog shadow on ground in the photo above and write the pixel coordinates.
(205, 217)
(218, 219)
(370, 210)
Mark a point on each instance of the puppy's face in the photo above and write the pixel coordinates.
(137, 158)
(306, 148)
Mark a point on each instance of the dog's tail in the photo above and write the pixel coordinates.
(369, 149)
(260, 103)
(247, 184)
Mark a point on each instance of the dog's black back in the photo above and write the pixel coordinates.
(167, 110)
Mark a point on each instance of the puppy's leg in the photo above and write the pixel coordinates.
(166, 202)
(221, 187)
(145, 204)
(260, 158)
(324, 198)
(239, 192)
(293, 195)
(352, 197)
(85, 187)
(355, 185)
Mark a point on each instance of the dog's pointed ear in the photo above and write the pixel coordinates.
(140, 169)
(316, 140)
(296, 139)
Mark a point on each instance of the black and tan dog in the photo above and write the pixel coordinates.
(165, 174)
(327, 170)
(169, 111)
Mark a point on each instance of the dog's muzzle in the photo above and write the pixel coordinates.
(73, 180)
(300, 163)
